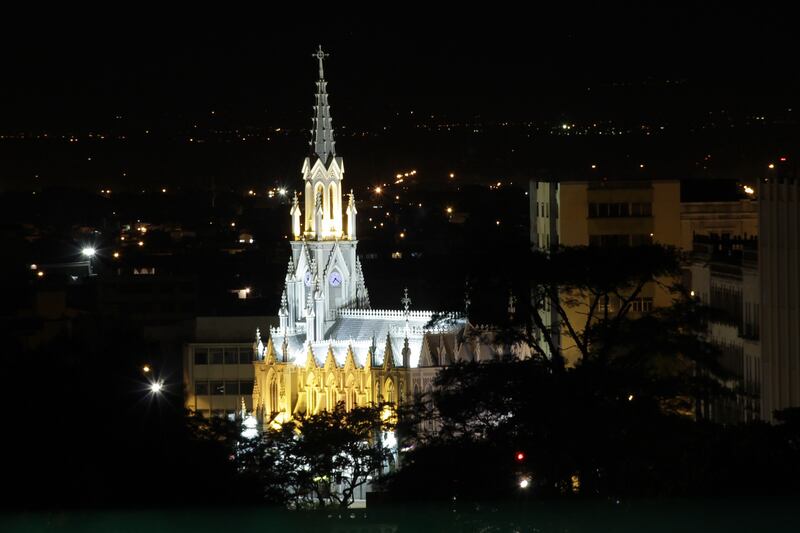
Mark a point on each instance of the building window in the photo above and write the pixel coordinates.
(593, 210)
(641, 209)
(200, 356)
(216, 356)
(642, 305)
(217, 388)
(201, 388)
(232, 388)
(246, 387)
(245, 355)
(231, 356)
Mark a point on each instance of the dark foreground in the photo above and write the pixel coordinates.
(727, 516)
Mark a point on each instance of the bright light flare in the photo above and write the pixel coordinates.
(524, 483)
(156, 387)
(749, 190)
(88, 251)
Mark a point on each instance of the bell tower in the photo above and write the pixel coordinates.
(324, 268)
(322, 170)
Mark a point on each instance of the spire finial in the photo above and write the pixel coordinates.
(320, 55)
(406, 301)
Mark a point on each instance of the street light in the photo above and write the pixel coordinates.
(156, 387)
(88, 252)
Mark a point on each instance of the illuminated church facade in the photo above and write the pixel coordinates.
(330, 345)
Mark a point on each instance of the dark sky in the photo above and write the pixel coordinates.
(78, 69)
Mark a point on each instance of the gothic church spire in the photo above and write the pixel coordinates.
(322, 143)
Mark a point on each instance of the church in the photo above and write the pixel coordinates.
(330, 346)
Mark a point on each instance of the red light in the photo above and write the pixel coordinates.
(783, 159)
(520, 456)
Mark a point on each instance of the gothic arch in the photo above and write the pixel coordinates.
(319, 188)
(389, 392)
(350, 392)
(330, 211)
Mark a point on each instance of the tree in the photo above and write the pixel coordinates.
(322, 459)
(593, 290)
(613, 423)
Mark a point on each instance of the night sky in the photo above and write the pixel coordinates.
(79, 69)
(126, 72)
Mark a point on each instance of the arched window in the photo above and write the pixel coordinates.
(273, 396)
(350, 392)
(389, 392)
(331, 201)
(319, 189)
(311, 394)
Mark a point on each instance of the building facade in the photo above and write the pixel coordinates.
(330, 346)
(724, 276)
(779, 272)
(604, 214)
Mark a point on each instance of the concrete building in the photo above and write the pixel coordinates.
(218, 367)
(603, 213)
(724, 276)
(779, 271)
(728, 219)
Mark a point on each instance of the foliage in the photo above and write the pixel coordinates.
(319, 460)
(620, 422)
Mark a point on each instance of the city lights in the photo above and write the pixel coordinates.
(156, 387)
(524, 483)
(88, 251)
(749, 190)
(146, 369)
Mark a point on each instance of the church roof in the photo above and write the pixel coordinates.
(363, 329)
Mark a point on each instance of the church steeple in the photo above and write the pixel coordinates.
(323, 170)
(322, 143)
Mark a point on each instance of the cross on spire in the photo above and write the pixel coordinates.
(320, 55)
